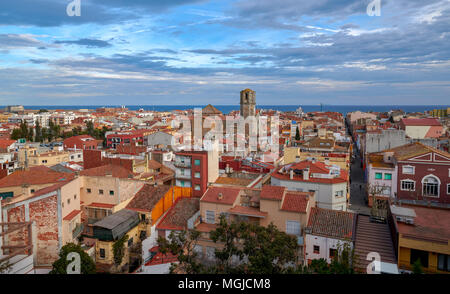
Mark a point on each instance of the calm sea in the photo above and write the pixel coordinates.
(227, 108)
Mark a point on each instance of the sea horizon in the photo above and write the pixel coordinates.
(228, 108)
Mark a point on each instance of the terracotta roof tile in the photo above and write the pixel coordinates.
(295, 202)
(147, 197)
(228, 194)
(178, 215)
(37, 175)
(71, 215)
(331, 223)
(272, 192)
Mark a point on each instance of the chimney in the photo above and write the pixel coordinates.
(297, 159)
(291, 174)
(220, 196)
(306, 174)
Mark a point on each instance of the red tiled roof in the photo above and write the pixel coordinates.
(101, 205)
(115, 171)
(71, 215)
(272, 192)
(247, 211)
(178, 215)
(295, 202)
(37, 175)
(429, 223)
(161, 258)
(6, 143)
(314, 168)
(331, 223)
(421, 122)
(147, 197)
(229, 195)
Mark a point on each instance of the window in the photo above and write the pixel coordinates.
(100, 192)
(430, 186)
(182, 183)
(293, 228)
(88, 190)
(420, 255)
(32, 191)
(339, 193)
(444, 262)
(197, 188)
(102, 253)
(388, 176)
(130, 242)
(408, 185)
(197, 175)
(408, 170)
(197, 162)
(75, 196)
(316, 249)
(332, 252)
(448, 188)
(68, 201)
(111, 193)
(378, 176)
(210, 217)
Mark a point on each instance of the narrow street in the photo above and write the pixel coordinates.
(357, 187)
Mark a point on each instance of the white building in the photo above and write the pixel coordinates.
(327, 232)
(328, 182)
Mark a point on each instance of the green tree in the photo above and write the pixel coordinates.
(246, 249)
(38, 132)
(417, 267)
(297, 134)
(23, 130)
(90, 128)
(30, 135)
(119, 249)
(16, 134)
(182, 244)
(60, 266)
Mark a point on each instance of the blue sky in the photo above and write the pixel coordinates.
(144, 52)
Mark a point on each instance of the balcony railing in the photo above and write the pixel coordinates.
(183, 176)
(77, 231)
(182, 164)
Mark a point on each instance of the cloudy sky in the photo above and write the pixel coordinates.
(144, 52)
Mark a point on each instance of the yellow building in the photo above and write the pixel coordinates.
(423, 233)
(126, 227)
(48, 158)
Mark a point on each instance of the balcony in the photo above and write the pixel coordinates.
(77, 231)
(183, 164)
(183, 176)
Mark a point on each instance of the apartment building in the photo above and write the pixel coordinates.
(196, 169)
(288, 210)
(413, 172)
(329, 183)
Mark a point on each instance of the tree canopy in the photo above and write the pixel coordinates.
(60, 266)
